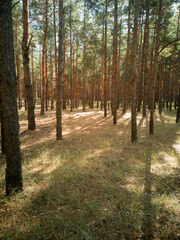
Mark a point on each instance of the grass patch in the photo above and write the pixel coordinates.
(94, 184)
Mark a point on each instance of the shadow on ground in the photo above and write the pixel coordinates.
(95, 184)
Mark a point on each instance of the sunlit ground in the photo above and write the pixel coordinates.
(94, 184)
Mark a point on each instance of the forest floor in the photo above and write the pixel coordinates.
(95, 184)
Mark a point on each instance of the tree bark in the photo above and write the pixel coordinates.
(152, 110)
(9, 103)
(135, 75)
(55, 46)
(71, 67)
(33, 79)
(64, 76)
(18, 73)
(27, 77)
(2, 127)
(105, 62)
(60, 74)
(84, 62)
(146, 68)
(178, 110)
(115, 63)
(51, 80)
(44, 59)
(126, 74)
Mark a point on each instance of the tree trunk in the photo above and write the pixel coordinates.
(76, 79)
(18, 73)
(60, 73)
(55, 46)
(152, 110)
(126, 74)
(71, 67)
(115, 63)
(105, 63)
(44, 60)
(27, 77)
(178, 110)
(64, 76)
(160, 87)
(33, 79)
(2, 127)
(146, 68)
(84, 62)
(9, 103)
(51, 80)
(135, 75)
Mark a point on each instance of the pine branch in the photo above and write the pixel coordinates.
(175, 40)
(15, 4)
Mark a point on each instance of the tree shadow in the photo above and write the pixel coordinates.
(148, 208)
(92, 193)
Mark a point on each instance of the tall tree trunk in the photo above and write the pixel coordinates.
(18, 73)
(76, 79)
(60, 73)
(51, 80)
(40, 80)
(105, 62)
(119, 66)
(64, 76)
(141, 67)
(152, 110)
(178, 110)
(27, 77)
(115, 63)
(126, 74)
(93, 83)
(146, 68)
(135, 75)
(2, 126)
(98, 88)
(84, 62)
(102, 68)
(160, 87)
(33, 79)
(47, 82)
(9, 103)
(71, 67)
(55, 45)
(44, 59)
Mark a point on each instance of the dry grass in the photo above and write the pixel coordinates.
(94, 184)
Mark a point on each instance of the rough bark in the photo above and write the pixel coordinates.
(76, 79)
(44, 60)
(33, 79)
(9, 104)
(27, 77)
(152, 110)
(64, 76)
(126, 74)
(84, 63)
(55, 46)
(115, 64)
(134, 75)
(60, 74)
(18, 74)
(71, 64)
(2, 127)
(178, 110)
(146, 67)
(105, 62)
(51, 80)
(141, 51)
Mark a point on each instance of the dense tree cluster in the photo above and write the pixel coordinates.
(115, 54)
